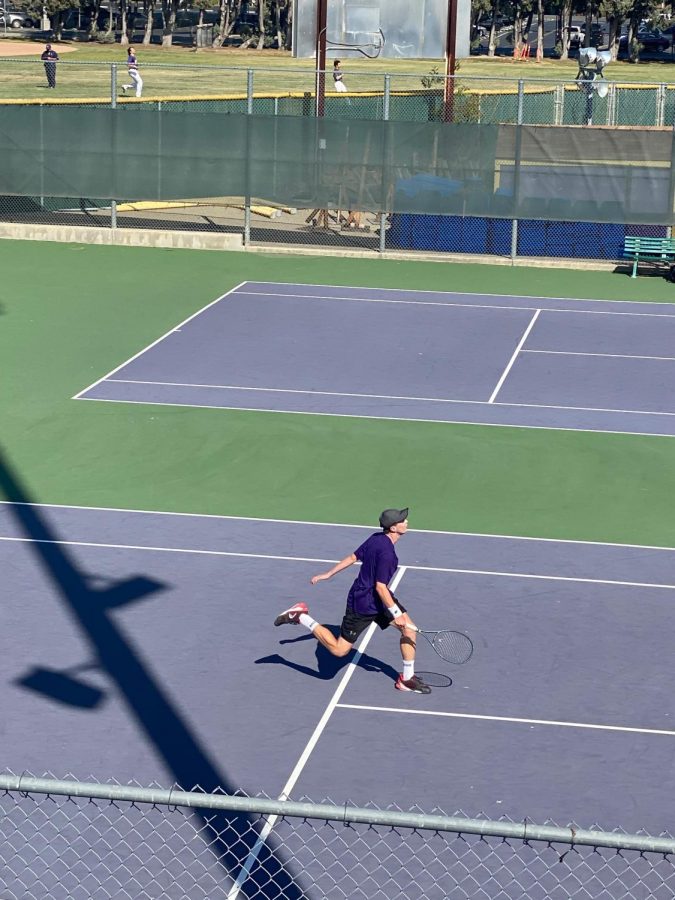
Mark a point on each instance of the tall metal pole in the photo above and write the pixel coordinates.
(450, 62)
(320, 54)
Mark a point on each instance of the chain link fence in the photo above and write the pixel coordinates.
(254, 221)
(68, 840)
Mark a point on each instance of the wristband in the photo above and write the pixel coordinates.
(394, 611)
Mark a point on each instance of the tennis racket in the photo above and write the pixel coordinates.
(452, 646)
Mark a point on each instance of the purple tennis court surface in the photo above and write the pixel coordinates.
(443, 357)
(140, 645)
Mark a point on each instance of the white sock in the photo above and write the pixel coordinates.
(408, 667)
(307, 621)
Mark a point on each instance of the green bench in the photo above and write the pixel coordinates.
(649, 249)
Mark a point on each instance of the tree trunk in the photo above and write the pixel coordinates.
(261, 24)
(540, 30)
(169, 9)
(149, 7)
(492, 40)
(228, 13)
(124, 37)
(92, 28)
(566, 19)
(277, 23)
(614, 30)
(57, 25)
(589, 23)
(288, 30)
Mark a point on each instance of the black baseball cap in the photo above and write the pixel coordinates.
(392, 517)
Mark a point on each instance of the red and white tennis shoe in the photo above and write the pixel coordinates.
(291, 616)
(414, 684)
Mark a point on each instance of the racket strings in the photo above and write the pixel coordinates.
(453, 646)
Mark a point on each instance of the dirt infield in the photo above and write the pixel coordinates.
(30, 48)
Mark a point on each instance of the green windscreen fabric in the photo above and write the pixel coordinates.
(510, 171)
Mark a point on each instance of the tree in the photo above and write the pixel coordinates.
(56, 10)
(169, 10)
(228, 13)
(262, 9)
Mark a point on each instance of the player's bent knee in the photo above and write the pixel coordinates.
(406, 639)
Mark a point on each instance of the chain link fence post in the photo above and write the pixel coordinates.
(516, 170)
(113, 105)
(247, 196)
(113, 85)
(385, 117)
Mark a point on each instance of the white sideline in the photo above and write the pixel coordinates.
(299, 766)
(453, 715)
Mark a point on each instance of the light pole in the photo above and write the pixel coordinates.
(590, 78)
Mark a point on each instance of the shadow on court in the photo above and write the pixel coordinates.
(328, 666)
(89, 601)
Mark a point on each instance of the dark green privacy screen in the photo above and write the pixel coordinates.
(528, 171)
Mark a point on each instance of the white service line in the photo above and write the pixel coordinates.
(191, 515)
(346, 287)
(299, 766)
(442, 303)
(78, 396)
(472, 422)
(451, 715)
(240, 387)
(414, 568)
(606, 355)
(514, 357)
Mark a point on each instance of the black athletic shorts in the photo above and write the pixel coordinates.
(353, 624)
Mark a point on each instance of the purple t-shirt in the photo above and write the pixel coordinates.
(378, 563)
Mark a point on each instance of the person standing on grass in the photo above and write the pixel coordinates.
(134, 74)
(50, 58)
(369, 600)
(340, 86)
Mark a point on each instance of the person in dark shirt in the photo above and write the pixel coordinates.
(50, 58)
(369, 600)
(338, 81)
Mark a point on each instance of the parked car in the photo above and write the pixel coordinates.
(650, 40)
(576, 36)
(12, 18)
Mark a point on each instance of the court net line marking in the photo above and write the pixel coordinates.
(462, 534)
(346, 287)
(271, 390)
(518, 721)
(441, 303)
(171, 331)
(510, 363)
(306, 753)
(228, 553)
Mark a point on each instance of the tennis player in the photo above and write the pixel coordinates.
(369, 600)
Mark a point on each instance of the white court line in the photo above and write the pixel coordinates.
(231, 553)
(609, 355)
(347, 287)
(514, 357)
(300, 765)
(552, 722)
(440, 303)
(78, 396)
(472, 422)
(159, 512)
(504, 405)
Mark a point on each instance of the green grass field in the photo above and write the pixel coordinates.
(85, 72)
(71, 313)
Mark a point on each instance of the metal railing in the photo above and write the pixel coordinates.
(68, 840)
(372, 96)
(291, 91)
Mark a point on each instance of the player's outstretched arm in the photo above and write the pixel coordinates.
(338, 567)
